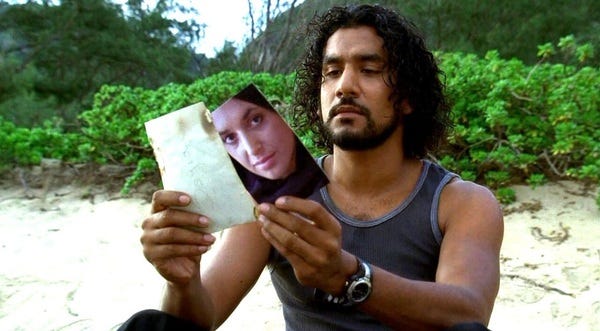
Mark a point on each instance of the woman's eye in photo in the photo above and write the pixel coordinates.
(257, 119)
(228, 139)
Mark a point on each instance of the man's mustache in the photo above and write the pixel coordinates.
(362, 110)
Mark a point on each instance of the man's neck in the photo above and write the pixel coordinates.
(372, 170)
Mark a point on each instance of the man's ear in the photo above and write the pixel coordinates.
(406, 107)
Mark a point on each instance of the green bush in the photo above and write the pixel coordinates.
(24, 146)
(513, 123)
(114, 127)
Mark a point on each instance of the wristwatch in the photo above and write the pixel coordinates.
(356, 289)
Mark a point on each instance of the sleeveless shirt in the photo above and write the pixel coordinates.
(406, 242)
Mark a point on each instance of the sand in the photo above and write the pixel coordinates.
(71, 260)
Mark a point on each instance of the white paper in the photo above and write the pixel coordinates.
(192, 159)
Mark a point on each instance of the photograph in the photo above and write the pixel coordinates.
(268, 156)
(299, 165)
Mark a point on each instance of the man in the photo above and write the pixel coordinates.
(392, 242)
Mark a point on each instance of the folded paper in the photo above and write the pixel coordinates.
(192, 159)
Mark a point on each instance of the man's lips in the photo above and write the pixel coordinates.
(347, 109)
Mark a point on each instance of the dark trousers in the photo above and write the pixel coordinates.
(154, 320)
(468, 327)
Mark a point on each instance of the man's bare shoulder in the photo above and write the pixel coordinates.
(466, 201)
(468, 192)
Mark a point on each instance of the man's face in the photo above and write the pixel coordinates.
(356, 102)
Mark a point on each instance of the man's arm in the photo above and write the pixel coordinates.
(207, 298)
(468, 273)
(467, 278)
(234, 265)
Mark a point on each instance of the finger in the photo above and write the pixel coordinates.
(163, 199)
(174, 242)
(289, 221)
(161, 252)
(311, 210)
(281, 244)
(306, 270)
(171, 217)
(300, 241)
(174, 235)
(303, 227)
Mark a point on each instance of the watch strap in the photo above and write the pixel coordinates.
(363, 271)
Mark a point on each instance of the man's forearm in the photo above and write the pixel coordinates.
(191, 302)
(423, 305)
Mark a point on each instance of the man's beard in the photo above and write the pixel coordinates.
(370, 137)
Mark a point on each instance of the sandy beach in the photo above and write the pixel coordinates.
(71, 260)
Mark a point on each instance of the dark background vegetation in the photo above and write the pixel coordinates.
(522, 73)
(53, 58)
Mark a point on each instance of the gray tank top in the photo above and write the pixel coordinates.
(405, 242)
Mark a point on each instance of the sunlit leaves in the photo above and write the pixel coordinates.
(513, 123)
(519, 123)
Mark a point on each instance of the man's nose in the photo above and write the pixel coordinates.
(347, 84)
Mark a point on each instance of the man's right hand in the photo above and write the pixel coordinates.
(168, 244)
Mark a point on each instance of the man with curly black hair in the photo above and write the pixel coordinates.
(411, 73)
(394, 241)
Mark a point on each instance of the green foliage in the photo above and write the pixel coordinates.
(144, 167)
(516, 123)
(536, 180)
(506, 195)
(516, 25)
(225, 60)
(468, 26)
(25, 146)
(114, 127)
(513, 123)
(53, 58)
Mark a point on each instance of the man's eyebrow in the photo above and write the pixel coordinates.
(331, 59)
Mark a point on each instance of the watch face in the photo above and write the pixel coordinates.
(360, 290)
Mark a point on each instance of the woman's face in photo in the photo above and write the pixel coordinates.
(257, 138)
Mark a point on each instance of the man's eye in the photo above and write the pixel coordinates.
(371, 71)
(332, 73)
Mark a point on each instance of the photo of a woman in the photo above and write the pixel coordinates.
(269, 158)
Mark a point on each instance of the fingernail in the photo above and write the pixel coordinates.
(203, 220)
(262, 218)
(264, 207)
(184, 199)
(208, 238)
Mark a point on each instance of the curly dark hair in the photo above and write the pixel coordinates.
(413, 74)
